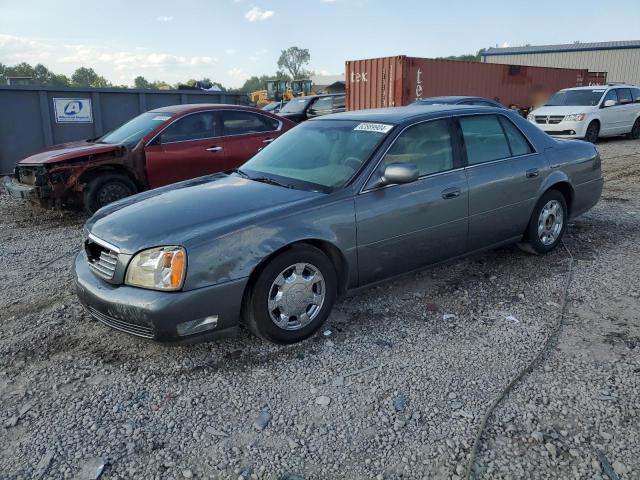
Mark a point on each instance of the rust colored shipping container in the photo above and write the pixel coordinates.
(400, 80)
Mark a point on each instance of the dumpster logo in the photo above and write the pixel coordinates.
(73, 110)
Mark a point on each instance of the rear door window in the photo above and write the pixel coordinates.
(196, 126)
(624, 95)
(322, 105)
(339, 102)
(635, 93)
(517, 141)
(426, 145)
(236, 122)
(484, 139)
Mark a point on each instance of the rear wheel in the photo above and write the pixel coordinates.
(593, 130)
(105, 189)
(547, 224)
(293, 296)
(635, 131)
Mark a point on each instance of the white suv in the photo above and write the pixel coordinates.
(591, 112)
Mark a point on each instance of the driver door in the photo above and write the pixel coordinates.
(189, 147)
(404, 227)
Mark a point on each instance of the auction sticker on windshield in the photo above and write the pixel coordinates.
(373, 127)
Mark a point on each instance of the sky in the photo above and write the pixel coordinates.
(230, 40)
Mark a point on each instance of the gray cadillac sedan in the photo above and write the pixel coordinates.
(338, 202)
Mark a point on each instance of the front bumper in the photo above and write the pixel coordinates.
(20, 190)
(564, 129)
(155, 315)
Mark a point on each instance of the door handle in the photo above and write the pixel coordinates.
(214, 149)
(532, 173)
(268, 140)
(450, 193)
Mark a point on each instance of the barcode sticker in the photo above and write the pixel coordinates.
(373, 127)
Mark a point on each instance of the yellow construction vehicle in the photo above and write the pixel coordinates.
(280, 90)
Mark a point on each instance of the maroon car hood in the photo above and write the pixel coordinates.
(67, 151)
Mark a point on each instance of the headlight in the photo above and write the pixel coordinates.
(531, 117)
(161, 268)
(576, 117)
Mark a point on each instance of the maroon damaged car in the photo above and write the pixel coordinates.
(156, 148)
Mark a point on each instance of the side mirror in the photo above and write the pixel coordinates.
(399, 173)
(609, 103)
(311, 113)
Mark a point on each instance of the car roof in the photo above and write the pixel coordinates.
(601, 87)
(451, 98)
(194, 107)
(397, 115)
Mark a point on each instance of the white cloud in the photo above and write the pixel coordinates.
(505, 45)
(238, 74)
(231, 51)
(21, 49)
(258, 55)
(164, 18)
(256, 14)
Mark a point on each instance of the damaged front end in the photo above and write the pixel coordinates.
(41, 185)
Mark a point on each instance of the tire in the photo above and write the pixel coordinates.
(107, 188)
(545, 230)
(593, 130)
(635, 131)
(296, 306)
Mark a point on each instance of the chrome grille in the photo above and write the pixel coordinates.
(138, 330)
(549, 119)
(103, 258)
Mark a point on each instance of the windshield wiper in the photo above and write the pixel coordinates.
(240, 172)
(270, 181)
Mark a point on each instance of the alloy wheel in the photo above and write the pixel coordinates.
(550, 222)
(296, 296)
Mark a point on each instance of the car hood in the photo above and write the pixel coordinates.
(207, 207)
(562, 110)
(68, 151)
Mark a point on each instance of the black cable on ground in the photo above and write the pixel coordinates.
(553, 335)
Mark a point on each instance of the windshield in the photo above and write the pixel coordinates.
(582, 98)
(318, 155)
(131, 132)
(297, 105)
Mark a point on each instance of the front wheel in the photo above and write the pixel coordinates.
(105, 189)
(593, 130)
(293, 296)
(547, 224)
(635, 131)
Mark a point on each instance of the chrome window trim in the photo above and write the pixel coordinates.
(362, 189)
(104, 243)
(280, 124)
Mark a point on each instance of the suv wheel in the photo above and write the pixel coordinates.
(105, 189)
(292, 297)
(635, 131)
(593, 130)
(547, 224)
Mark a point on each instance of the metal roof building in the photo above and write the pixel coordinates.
(621, 60)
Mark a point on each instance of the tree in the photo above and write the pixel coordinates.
(141, 82)
(86, 77)
(259, 83)
(293, 59)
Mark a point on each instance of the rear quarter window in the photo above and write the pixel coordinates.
(517, 141)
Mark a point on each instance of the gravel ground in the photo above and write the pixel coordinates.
(395, 386)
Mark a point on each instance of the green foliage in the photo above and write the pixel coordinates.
(294, 59)
(259, 83)
(141, 82)
(466, 58)
(87, 77)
